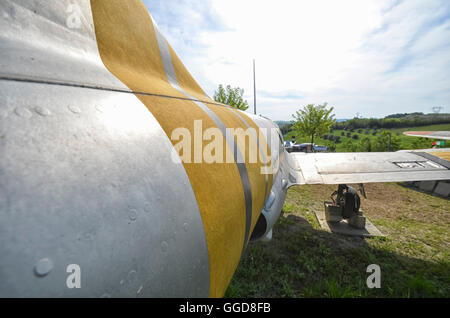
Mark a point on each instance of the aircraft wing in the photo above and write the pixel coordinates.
(429, 134)
(367, 167)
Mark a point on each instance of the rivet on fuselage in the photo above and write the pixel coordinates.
(43, 267)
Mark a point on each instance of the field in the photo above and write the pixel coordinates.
(405, 142)
(302, 260)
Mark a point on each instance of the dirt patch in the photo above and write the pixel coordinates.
(389, 200)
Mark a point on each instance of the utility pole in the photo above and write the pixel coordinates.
(389, 142)
(437, 109)
(254, 88)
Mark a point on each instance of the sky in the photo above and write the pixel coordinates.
(371, 58)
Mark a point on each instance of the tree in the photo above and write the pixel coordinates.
(365, 145)
(382, 140)
(231, 96)
(420, 143)
(313, 120)
(349, 146)
(285, 128)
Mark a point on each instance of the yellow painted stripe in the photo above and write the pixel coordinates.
(217, 188)
(128, 47)
(229, 118)
(185, 79)
(441, 154)
(263, 144)
(257, 180)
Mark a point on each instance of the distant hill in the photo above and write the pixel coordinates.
(395, 121)
(391, 121)
(282, 122)
(410, 116)
(403, 115)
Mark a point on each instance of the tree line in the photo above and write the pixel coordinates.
(407, 120)
(384, 123)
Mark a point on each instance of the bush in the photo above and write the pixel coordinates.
(349, 146)
(365, 145)
(381, 142)
(421, 143)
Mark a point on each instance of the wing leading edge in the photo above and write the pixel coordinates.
(367, 167)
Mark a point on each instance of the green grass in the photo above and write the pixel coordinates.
(406, 142)
(302, 260)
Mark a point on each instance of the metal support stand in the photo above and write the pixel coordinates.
(346, 207)
(343, 216)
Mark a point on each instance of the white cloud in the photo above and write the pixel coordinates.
(372, 57)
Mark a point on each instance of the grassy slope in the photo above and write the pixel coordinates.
(406, 141)
(303, 260)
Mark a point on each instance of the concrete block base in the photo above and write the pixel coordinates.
(443, 188)
(332, 212)
(427, 185)
(357, 221)
(343, 227)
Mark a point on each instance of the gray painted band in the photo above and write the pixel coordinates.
(240, 163)
(259, 147)
(433, 158)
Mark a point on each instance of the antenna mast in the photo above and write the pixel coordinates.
(254, 88)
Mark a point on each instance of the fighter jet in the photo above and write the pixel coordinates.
(99, 193)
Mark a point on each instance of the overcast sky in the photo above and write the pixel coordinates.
(369, 57)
